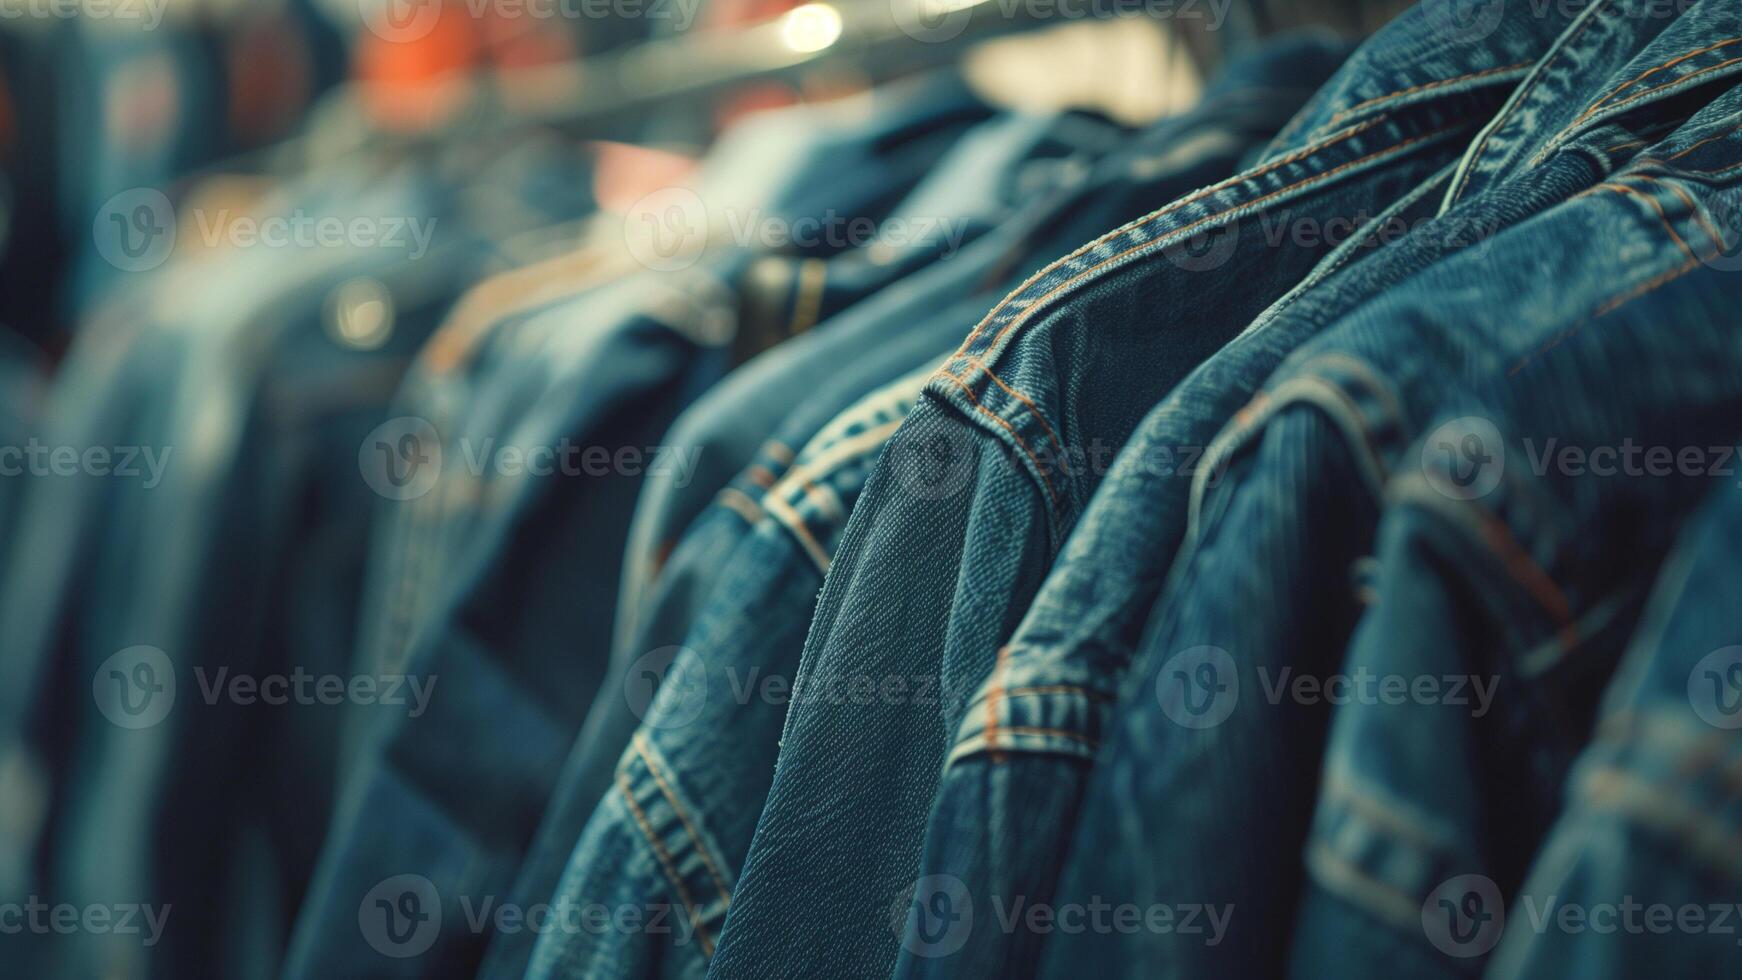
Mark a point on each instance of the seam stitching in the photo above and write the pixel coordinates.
(1709, 139)
(1699, 216)
(992, 692)
(1662, 215)
(1651, 71)
(1179, 233)
(1670, 84)
(740, 503)
(666, 862)
(1046, 481)
(1098, 697)
(1425, 86)
(1153, 216)
(980, 363)
(1077, 737)
(794, 522)
(1540, 72)
(640, 743)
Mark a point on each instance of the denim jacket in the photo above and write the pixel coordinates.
(673, 831)
(979, 489)
(1495, 580)
(1028, 740)
(1635, 876)
(517, 625)
(1300, 471)
(1068, 202)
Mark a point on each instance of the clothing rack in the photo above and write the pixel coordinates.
(605, 95)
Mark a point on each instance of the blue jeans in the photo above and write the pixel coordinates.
(977, 492)
(1217, 681)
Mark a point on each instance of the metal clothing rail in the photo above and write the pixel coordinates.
(605, 95)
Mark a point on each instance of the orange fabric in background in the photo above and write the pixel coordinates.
(414, 84)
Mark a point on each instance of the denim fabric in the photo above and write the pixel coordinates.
(207, 809)
(673, 832)
(410, 537)
(976, 187)
(478, 372)
(105, 394)
(1634, 878)
(1495, 575)
(1002, 816)
(1299, 471)
(521, 616)
(978, 491)
(21, 393)
(100, 397)
(925, 312)
(698, 566)
(96, 399)
(245, 381)
(1023, 752)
